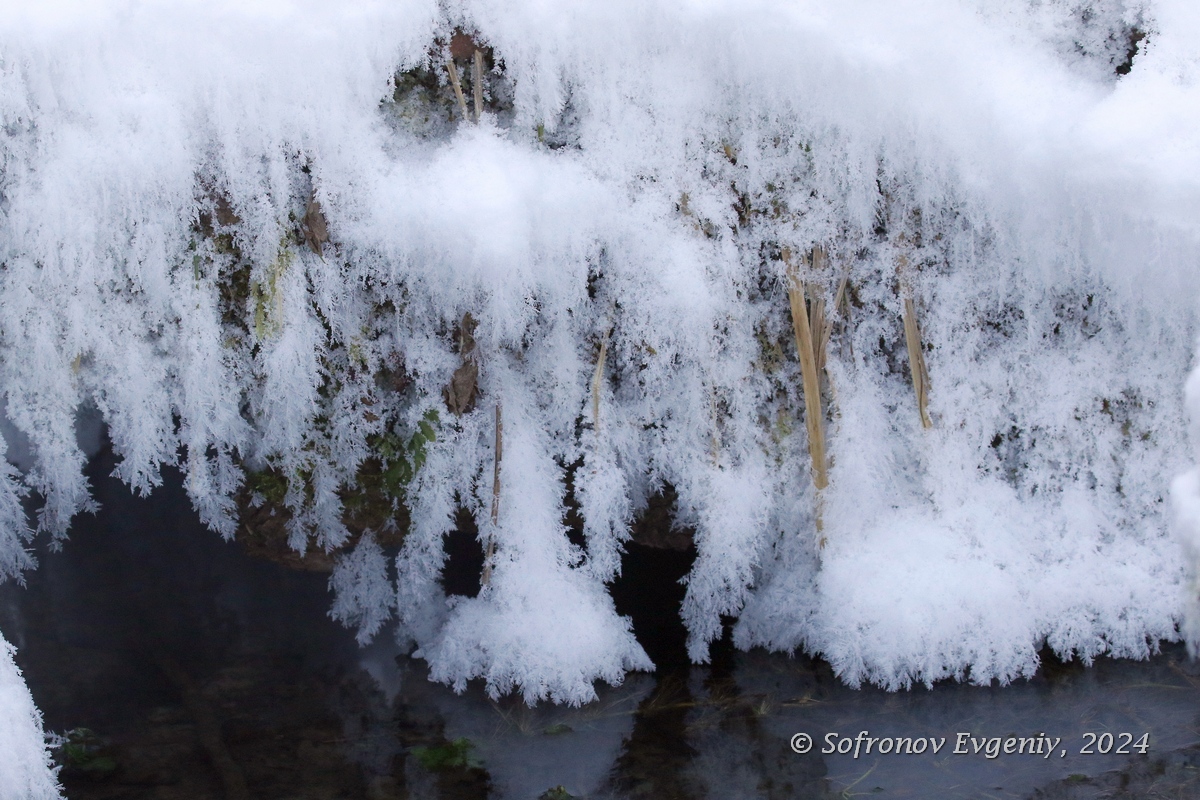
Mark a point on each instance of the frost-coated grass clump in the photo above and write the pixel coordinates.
(898, 298)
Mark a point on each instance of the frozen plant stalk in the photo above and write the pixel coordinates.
(458, 92)
(916, 353)
(491, 545)
(477, 84)
(598, 379)
(807, 351)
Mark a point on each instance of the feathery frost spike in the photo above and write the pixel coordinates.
(158, 239)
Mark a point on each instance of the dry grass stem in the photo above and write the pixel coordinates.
(840, 306)
(811, 384)
(916, 361)
(477, 83)
(916, 353)
(491, 545)
(598, 379)
(823, 344)
(458, 92)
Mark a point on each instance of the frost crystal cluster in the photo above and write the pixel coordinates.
(898, 298)
(26, 770)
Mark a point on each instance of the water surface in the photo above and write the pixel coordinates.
(205, 673)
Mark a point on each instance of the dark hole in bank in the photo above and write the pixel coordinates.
(649, 590)
(464, 557)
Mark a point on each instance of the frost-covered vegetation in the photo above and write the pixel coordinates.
(25, 765)
(288, 249)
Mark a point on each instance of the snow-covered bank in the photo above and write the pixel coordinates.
(269, 241)
(25, 764)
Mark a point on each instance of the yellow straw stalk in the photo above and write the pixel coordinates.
(477, 83)
(458, 92)
(807, 350)
(916, 353)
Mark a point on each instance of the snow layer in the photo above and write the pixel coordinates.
(640, 170)
(25, 764)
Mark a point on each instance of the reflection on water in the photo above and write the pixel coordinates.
(203, 673)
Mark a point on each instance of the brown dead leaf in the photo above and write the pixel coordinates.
(464, 384)
(316, 233)
(463, 389)
(462, 45)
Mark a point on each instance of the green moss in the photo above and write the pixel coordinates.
(268, 302)
(271, 484)
(450, 756)
(84, 752)
(399, 460)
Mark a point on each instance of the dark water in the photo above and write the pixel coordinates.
(204, 673)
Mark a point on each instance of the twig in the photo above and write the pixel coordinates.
(477, 83)
(491, 545)
(847, 793)
(598, 380)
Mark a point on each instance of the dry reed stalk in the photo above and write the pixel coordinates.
(477, 83)
(819, 324)
(811, 385)
(916, 353)
(491, 545)
(821, 319)
(823, 345)
(458, 92)
(826, 328)
(598, 380)
(818, 321)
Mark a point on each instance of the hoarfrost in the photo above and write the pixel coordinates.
(26, 768)
(269, 243)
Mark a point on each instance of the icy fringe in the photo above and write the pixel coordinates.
(27, 770)
(631, 189)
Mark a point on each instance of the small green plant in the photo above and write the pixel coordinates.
(401, 460)
(82, 750)
(450, 756)
(557, 793)
(270, 484)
